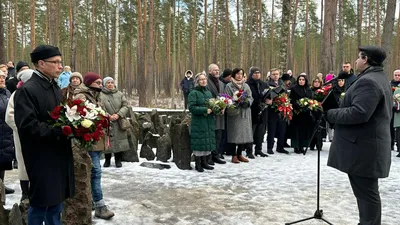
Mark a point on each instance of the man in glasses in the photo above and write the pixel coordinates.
(47, 152)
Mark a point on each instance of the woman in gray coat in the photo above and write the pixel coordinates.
(116, 105)
(239, 130)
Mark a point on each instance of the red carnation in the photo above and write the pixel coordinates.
(55, 114)
(87, 137)
(77, 101)
(66, 130)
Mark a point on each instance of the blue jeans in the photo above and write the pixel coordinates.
(50, 215)
(95, 181)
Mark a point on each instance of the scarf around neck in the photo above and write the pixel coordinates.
(237, 83)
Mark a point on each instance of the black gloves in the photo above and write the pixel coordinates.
(245, 105)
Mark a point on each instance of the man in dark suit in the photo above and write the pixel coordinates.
(361, 145)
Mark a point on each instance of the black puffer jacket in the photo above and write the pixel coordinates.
(6, 138)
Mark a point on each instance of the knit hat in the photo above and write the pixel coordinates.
(25, 75)
(44, 52)
(90, 77)
(227, 72)
(253, 70)
(285, 77)
(21, 64)
(106, 79)
(76, 74)
(328, 77)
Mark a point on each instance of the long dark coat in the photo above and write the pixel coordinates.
(202, 134)
(257, 87)
(361, 144)
(7, 153)
(301, 125)
(47, 152)
(215, 91)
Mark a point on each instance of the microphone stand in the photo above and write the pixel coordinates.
(319, 212)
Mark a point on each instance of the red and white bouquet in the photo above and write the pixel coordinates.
(240, 97)
(321, 93)
(307, 104)
(282, 105)
(83, 121)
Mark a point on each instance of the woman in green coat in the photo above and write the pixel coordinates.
(116, 105)
(202, 134)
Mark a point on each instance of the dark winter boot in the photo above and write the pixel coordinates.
(249, 154)
(216, 158)
(205, 164)
(108, 160)
(118, 158)
(198, 166)
(260, 153)
(25, 189)
(103, 213)
(209, 160)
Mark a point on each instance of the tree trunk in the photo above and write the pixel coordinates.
(284, 37)
(2, 53)
(271, 53)
(205, 36)
(328, 44)
(75, 12)
(150, 54)
(359, 21)
(306, 44)
(52, 22)
(116, 41)
(378, 23)
(214, 34)
(341, 44)
(193, 39)
(228, 63)
(370, 16)
(292, 35)
(140, 58)
(388, 32)
(397, 55)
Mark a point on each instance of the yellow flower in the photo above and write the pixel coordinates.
(86, 123)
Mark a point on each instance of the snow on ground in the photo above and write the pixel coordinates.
(265, 191)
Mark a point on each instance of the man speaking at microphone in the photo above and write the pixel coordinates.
(361, 145)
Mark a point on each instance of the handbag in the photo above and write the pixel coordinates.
(232, 111)
(124, 123)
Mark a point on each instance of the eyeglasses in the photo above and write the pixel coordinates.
(54, 62)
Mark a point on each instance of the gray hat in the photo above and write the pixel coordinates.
(375, 53)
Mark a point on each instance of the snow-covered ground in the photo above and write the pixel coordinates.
(265, 191)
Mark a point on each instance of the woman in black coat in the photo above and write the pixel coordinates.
(321, 132)
(7, 153)
(301, 124)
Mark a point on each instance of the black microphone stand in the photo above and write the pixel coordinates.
(319, 212)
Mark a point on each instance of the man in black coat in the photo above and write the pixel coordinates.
(276, 125)
(187, 84)
(361, 145)
(259, 114)
(47, 152)
(394, 84)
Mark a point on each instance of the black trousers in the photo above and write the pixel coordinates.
(185, 97)
(392, 131)
(366, 191)
(398, 138)
(219, 141)
(258, 136)
(275, 125)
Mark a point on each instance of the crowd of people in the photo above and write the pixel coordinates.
(44, 156)
(245, 129)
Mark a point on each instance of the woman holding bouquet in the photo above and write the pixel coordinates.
(202, 134)
(239, 128)
(116, 105)
(301, 125)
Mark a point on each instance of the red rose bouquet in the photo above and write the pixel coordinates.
(321, 93)
(83, 121)
(240, 97)
(307, 104)
(282, 104)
